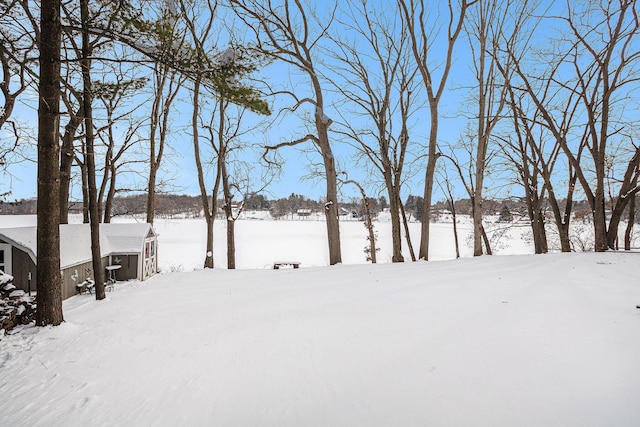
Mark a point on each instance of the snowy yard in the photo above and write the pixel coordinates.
(512, 340)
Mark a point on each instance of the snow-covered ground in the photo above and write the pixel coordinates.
(513, 340)
(260, 242)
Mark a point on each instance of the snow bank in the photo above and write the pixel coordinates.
(495, 341)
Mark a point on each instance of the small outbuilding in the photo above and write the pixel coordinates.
(129, 251)
(304, 212)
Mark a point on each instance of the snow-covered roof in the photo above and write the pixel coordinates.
(75, 240)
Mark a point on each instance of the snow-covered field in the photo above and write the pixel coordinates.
(513, 340)
(182, 242)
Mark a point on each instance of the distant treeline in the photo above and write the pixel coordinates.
(174, 205)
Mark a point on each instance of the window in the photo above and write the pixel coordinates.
(5, 258)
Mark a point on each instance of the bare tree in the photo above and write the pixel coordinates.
(72, 95)
(209, 203)
(18, 71)
(223, 128)
(415, 15)
(286, 33)
(18, 41)
(87, 99)
(112, 96)
(593, 68)
(166, 85)
(543, 115)
(604, 57)
(49, 297)
(372, 250)
(377, 80)
(467, 176)
(199, 37)
(224, 134)
(448, 186)
(522, 155)
(630, 223)
(68, 151)
(167, 82)
(536, 151)
(484, 26)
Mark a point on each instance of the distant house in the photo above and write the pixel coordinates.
(303, 212)
(134, 247)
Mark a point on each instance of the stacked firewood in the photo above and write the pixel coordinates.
(16, 307)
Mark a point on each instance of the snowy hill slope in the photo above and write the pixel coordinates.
(494, 341)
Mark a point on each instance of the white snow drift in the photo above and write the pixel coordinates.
(527, 340)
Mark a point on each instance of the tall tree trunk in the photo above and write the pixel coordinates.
(394, 209)
(455, 225)
(534, 208)
(599, 210)
(420, 33)
(331, 204)
(106, 179)
(94, 215)
(428, 185)
(481, 149)
(231, 244)
(159, 128)
(626, 195)
(209, 212)
(85, 192)
(154, 126)
(111, 194)
(487, 242)
(630, 223)
(208, 259)
(368, 223)
(407, 235)
(151, 195)
(540, 234)
(228, 206)
(528, 191)
(477, 221)
(616, 218)
(49, 297)
(562, 218)
(66, 162)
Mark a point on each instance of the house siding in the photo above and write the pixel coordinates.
(73, 275)
(131, 262)
(129, 269)
(22, 265)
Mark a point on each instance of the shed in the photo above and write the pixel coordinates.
(133, 246)
(303, 212)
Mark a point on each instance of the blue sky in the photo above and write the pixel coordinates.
(179, 163)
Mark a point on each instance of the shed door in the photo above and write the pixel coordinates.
(5, 258)
(150, 259)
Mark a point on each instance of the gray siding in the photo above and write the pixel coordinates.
(129, 268)
(22, 265)
(71, 276)
(74, 275)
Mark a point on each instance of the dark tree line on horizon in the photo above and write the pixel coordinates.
(175, 205)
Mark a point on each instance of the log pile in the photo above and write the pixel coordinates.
(16, 307)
